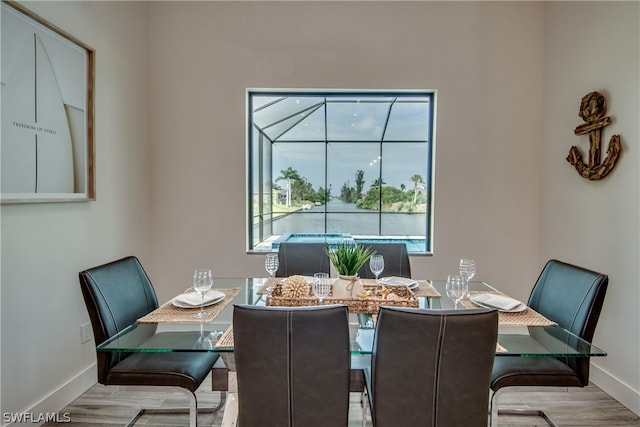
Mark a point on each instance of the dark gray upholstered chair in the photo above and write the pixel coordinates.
(292, 365)
(396, 260)
(302, 258)
(431, 368)
(571, 296)
(116, 295)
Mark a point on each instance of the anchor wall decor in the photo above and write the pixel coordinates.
(592, 110)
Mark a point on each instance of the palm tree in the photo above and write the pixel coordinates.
(377, 183)
(288, 174)
(416, 179)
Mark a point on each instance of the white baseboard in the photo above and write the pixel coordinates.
(55, 402)
(616, 388)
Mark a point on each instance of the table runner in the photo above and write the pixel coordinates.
(357, 302)
(226, 341)
(170, 313)
(528, 317)
(424, 289)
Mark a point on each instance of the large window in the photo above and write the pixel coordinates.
(340, 164)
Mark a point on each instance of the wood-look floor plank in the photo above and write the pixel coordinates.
(109, 407)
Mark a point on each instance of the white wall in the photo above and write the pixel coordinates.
(596, 46)
(44, 246)
(484, 59)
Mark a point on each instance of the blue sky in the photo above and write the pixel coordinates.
(355, 125)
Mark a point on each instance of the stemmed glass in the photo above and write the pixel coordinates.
(271, 264)
(457, 288)
(321, 286)
(203, 341)
(376, 264)
(202, 282)
(467, 269)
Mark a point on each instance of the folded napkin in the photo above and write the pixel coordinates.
(194, 298)
(501, 302)
(398, 281)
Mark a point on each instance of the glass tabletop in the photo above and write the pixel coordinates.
(515, 341)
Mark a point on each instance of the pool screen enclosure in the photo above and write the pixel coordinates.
(357, 163)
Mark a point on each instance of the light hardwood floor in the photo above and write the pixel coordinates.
(108, 406)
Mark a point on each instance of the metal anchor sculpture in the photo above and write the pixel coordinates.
(592, 110)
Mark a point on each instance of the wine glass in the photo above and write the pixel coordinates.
(457, 288)
(271, 264)
(321, 286)
(467, 269)
(204, 341)
(376, 264)
(202, 282)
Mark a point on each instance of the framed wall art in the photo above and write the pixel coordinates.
(47, 139)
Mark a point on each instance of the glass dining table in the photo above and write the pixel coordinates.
(516, 340)
(516, 337)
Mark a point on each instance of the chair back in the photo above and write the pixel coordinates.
(396, 260)
(571, 296)
(432, 367)
(292, 365)
(302, 258)
(116, 295)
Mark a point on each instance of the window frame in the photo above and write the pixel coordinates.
(259, 157)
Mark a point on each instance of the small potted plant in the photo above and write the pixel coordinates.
(348, 258)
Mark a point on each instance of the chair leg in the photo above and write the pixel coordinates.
(495, 412)
(193, 410)
(493, 409)
(366, 400)
(230, 415)
(363, 405)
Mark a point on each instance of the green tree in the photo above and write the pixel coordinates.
(377, 183)
(416, 179)
(348, 193)
(275, 193)
(389, 195)
(359, 182)
(302, 189)
(322, 195)
(289, 174)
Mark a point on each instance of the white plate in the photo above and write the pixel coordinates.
(398, 281)
(500, 302)
(192, 299)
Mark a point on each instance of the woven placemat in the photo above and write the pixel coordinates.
(528, 317)
(170, 313)
(226, 339)
(424, 289)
